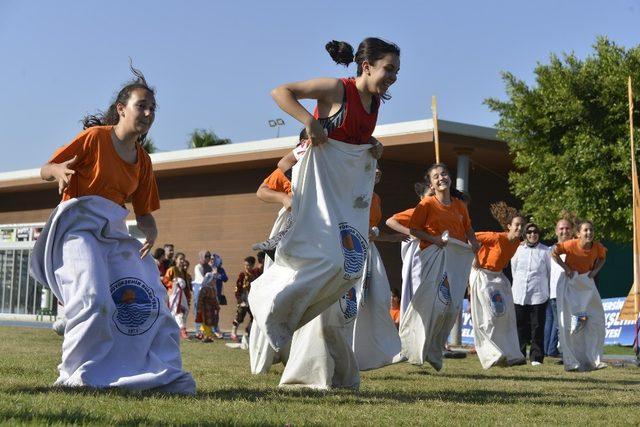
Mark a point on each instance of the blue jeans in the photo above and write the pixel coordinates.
(551, 329)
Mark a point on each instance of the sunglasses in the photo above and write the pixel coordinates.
(532, 232)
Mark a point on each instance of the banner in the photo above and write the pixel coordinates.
(618, 332)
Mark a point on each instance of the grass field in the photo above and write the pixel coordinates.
(399, 395)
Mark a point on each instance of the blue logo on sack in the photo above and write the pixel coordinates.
(578, 322)
(354, 249)
(349, 304)
(498, 307)
(444, 291)
(137, 307)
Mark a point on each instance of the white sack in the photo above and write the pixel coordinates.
(494, 319)
(119, 332)
(261, 354)
(321, 356)
(581, 323)
(323, 254)
(410, 253)
(376, 342)
(434, 307)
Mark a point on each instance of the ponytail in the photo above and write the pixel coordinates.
(341, 52)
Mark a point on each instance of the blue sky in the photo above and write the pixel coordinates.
(213, 63)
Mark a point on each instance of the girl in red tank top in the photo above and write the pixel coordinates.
(347, 109)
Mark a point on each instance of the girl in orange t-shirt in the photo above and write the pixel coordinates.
(444, 211)
(582, 326)
(499, 247)
(107, 158)
(119, 327)
(584, 255)
(492, 309)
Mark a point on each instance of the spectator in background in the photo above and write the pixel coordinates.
(394, 311)
(203, 267)
(530, 268)
(207, 307)
(260, 264)
(564, 231)
(177, 281)
(222, 277)
(243, 286)
(169, 252)
(159, 258)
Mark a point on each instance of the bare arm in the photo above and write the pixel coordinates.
(147, 224)
(326, 91)
(473, 240)
(393, 224)
(287, 162)
(268, 195)
(556, 257)
(60, 172)
(597, 267)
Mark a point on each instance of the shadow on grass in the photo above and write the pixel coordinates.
(339, 397)
(564, 379)
(66, 416)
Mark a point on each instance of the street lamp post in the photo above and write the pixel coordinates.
(276, 123)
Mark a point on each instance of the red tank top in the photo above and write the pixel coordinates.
(351, 124)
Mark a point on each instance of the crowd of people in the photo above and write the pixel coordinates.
(320, 302)
(203, 293)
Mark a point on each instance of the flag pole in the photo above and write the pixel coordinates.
(436, 136)
(635, 201)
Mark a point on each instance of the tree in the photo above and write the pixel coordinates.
(569, 137)
(205, 138)
(149, 146)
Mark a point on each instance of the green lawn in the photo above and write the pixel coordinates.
(227, 394)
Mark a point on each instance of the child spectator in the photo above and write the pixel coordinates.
(243, 286)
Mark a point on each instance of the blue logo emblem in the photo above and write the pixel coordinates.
(137, 307)
(444, 292)
(349, 304)
(354, 249)
(498, 307)
(578, 322)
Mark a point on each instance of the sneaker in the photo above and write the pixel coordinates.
(535, 363)
(217, 335)
(234, 338)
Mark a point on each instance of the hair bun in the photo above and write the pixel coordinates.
(341, 52)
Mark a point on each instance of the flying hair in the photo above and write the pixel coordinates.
(504, 213)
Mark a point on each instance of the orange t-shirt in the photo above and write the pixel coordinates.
(434, 218)
(278, 181)
(375, 212)
(100, 171)
(579, 259)
(395, 314)
(496, 250)
(404, 217)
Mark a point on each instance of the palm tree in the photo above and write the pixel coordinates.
(205, 138)
(149, 146)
